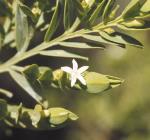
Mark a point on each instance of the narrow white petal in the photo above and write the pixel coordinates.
(75, 65)
(73, 80)
(81, 79)
(82, 69)
(67, 69)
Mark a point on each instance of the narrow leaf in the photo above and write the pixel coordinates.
(121, 39)
(107, 10)
(22, 82)
(78, 45)
(132, 9)
(99, 39)
(23, 31)
(61, 53)
(3, 109)
(96, 12)
(53, 23)
(69, 14)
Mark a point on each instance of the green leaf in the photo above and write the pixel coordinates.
(132, 9)
(53, 23)
(98, 39)
(96, 12)
(136, 24)
(78, 45)
(2, 36)
(107, 10)
(6, 93)
(46, 75)
(24, 31)
(60, 115)
(23, 82)
(32, 72)
(78, 8)
(121, 38)
(69, 14)
(96, 82)
(146, 7)
(61, 53)
(3, 109)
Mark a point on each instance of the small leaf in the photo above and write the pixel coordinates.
(107, 10)
(132, 9)
(53, 23)
(32, 72)
(24, 31)
(78, 45)
(96, 12)
(46, 76)
(96, 82)
(2, 36)
(3, 109)
(61, 115)
(121, 38)
(69, 13)
(22, 81)
(98, 39)
(61, 53)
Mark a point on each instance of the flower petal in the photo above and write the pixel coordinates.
(73, 80)
(67, 69)
(75, 65)
(82, 69)
(81, 79)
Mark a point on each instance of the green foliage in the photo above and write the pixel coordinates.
(67, 24)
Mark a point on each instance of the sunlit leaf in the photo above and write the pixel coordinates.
(24, 31)
(146, 7)
(78, 45)
(107, 10)
(132, 9)
(121, 38)
(61, 53)
(96, 12)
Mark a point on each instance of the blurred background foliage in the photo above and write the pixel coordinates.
(119, 114)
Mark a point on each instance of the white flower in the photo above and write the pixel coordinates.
(75, 73)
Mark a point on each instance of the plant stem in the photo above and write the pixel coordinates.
(35, 51)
